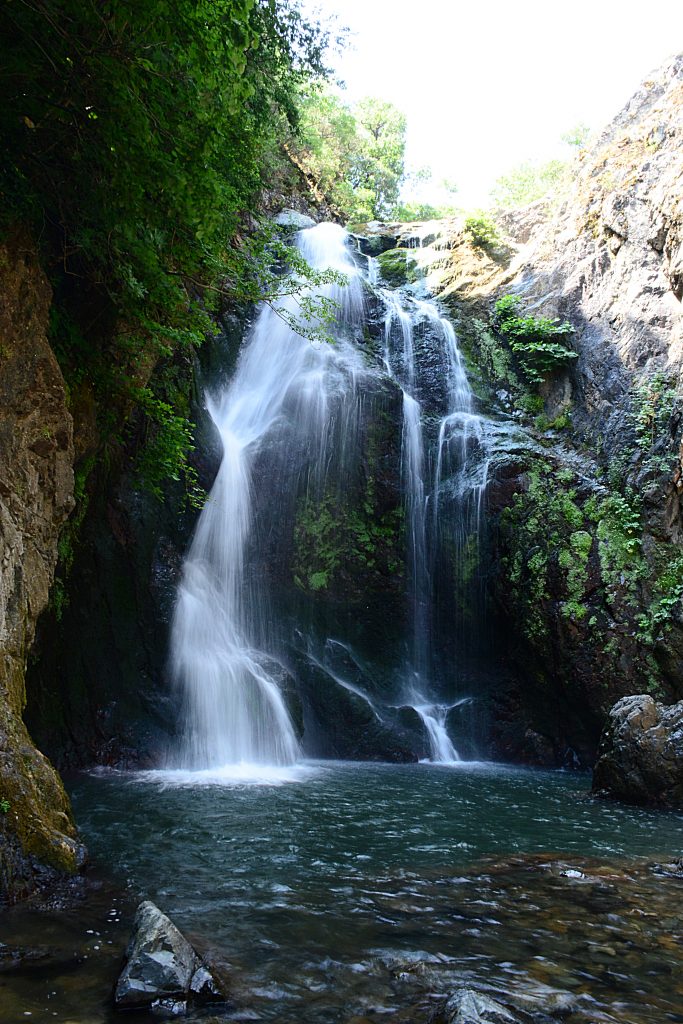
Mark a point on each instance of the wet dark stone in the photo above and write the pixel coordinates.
(162, 969)
(640, 759)
(466, 1006)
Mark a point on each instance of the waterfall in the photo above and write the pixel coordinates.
(433, 717)
(290, 424)
(460, 454)
(233, 709)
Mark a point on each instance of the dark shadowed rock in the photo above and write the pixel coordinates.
(162, 970)
(640, 759)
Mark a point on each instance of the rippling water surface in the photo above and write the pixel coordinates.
(340, 891)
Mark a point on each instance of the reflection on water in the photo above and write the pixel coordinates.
(359, 890)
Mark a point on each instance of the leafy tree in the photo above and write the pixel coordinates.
(379, 162)
(354, 154)
(527, 182)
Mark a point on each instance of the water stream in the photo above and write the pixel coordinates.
(222, 653)
(365, 892)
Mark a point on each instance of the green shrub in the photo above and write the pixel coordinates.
(483, 230)
(534, 340)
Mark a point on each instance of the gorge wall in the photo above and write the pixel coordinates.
(37, 833)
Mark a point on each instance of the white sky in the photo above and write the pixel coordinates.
(487, 83)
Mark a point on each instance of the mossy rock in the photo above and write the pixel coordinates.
(38, 839)
(399, 267)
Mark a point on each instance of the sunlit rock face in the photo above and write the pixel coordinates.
(589, 528)
(37, 836)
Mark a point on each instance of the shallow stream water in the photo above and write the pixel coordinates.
(347, 892)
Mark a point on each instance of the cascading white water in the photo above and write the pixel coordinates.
(233, 710)
(293, 419)
(433, 718)
(460, 449)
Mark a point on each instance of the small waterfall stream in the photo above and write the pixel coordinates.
(296, 408)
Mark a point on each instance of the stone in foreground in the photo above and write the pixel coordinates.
(640, 758)
(162, 969)
(466, 1006)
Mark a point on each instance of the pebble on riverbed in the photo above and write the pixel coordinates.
(162, 971)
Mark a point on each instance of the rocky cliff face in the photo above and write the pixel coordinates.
(585, 503)
(37, 833)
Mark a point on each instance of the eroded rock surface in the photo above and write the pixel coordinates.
(37, 833)
(640, 759)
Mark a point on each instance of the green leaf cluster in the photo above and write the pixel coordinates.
(528, 182)
(654, 401)
(666, 604)
(534, 340)
(483, 230)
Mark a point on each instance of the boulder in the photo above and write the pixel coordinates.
(466, 1006)
(294, 220)
(640, 758)
(162, 970)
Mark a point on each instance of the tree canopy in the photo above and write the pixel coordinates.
(354, 153)
(137, 133)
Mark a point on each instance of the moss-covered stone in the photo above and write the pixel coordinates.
(399, 267)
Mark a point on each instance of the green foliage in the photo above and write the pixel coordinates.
(543, 423)
(4, 806)
(355, 154)
(666, 604)
(619, 532)
(136, 135)
(533, 339)
(168, 445)
(532, 405)
(527, 182)
(577, 136)
(483, 230)
(654, 402)
(574, 560)
(546, 527)
(413, 210)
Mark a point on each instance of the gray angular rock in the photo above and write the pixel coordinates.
(466, 1006)
(293, 219)
(640, 758)
(203, 987)
(162, 970)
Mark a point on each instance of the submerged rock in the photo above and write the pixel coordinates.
(162, 970)
(640, 759)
